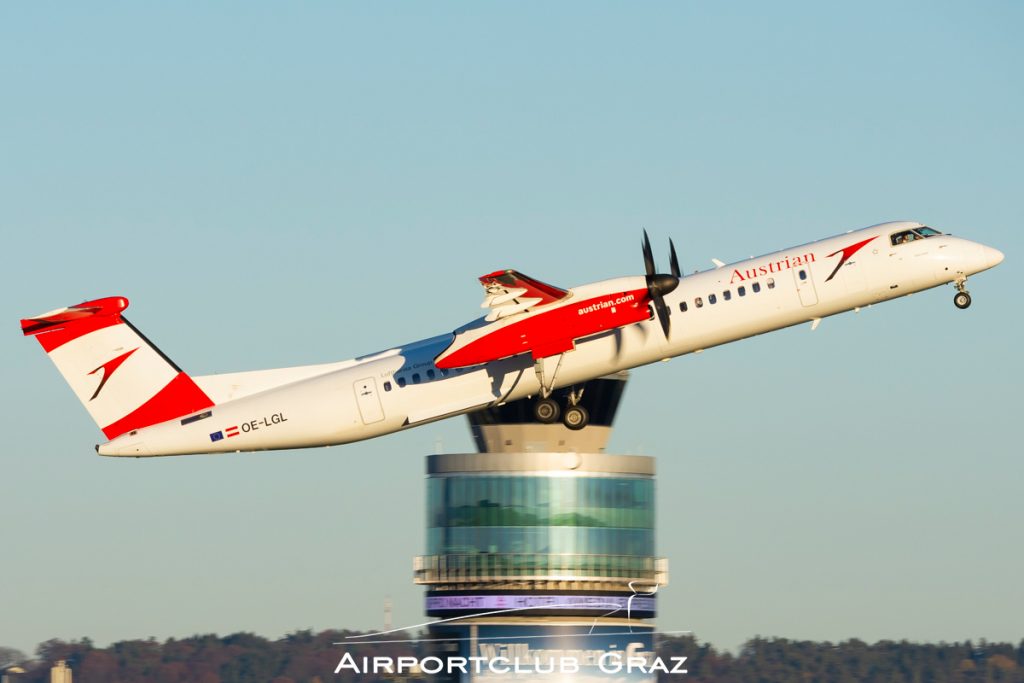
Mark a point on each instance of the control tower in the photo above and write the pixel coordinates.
(541, 546)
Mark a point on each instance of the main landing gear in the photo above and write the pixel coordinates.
(962, 298)
(574, 417)
(547, 410)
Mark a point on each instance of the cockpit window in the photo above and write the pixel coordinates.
(905, 236)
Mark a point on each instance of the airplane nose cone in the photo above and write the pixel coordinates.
(983, 258)
(993, 257)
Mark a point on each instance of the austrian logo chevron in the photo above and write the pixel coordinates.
(108, 369)
(846, 252)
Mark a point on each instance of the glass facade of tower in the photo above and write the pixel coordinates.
(531, 522)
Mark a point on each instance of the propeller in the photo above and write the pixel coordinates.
(660, 284)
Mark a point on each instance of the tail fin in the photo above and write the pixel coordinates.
(122, 379)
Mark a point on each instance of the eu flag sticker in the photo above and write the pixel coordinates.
(216, 436)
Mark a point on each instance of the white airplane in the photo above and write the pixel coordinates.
(535, 338)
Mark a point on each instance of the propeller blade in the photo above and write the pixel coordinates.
(662, 310)
(658, 285)
(673, 261)
(648, 256)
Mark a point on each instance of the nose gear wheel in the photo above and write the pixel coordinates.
(962, 298)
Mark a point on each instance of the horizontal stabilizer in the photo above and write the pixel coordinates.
(74, 321)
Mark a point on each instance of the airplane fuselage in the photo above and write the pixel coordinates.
(403, 387)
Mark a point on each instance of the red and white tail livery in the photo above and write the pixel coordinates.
(535, 338)
(124, 382)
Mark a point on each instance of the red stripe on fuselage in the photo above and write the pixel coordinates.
(180, 397)
(549, 333)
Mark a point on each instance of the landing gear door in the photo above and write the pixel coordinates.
(805, 285)
(368, 400)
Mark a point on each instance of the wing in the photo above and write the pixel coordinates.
(508, 292)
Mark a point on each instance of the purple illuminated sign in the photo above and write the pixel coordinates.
(626, 603)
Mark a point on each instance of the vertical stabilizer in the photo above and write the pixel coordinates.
(119, 376)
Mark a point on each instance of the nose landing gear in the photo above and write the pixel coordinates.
(962, 298)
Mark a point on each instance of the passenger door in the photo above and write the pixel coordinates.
(368, 400)
(805, 284)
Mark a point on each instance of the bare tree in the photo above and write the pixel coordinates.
(9, 657)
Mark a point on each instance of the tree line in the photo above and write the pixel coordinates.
(307, 657)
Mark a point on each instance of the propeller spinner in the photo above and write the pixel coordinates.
(660, 284)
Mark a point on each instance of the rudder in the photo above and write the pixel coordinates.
(121, 378)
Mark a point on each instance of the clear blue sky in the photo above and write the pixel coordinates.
(280, 184)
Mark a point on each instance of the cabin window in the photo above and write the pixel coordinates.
(401, 382)
(682, 307)
(741, 290)
(803, 274)
(387, 386)
(430, 374)
(415, 378)
(698, 302)
(771, 283)
(444, 372)
(712, 299)
(727, 294)
(756, 287)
